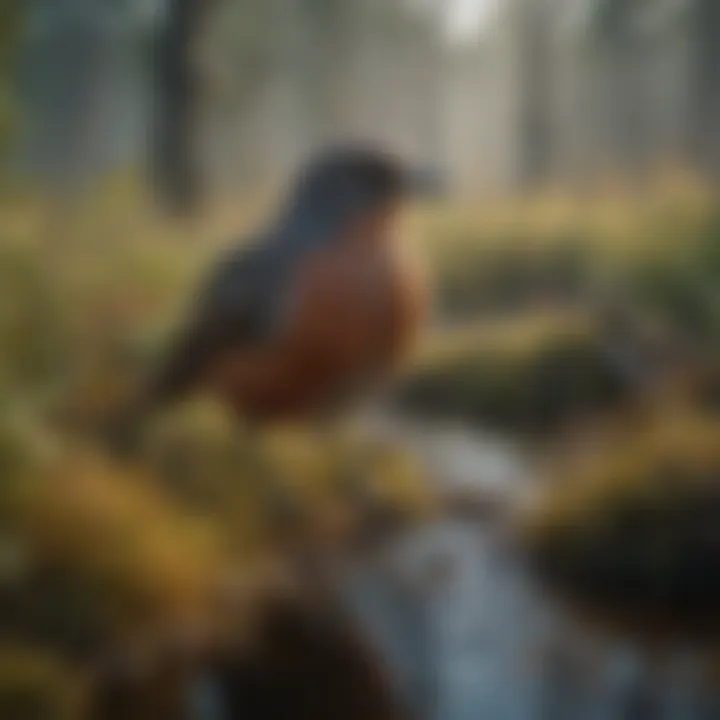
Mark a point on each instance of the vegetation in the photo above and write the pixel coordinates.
(34, 686)
(629, 533)
(656, 249)
(93, 554)
(638, 272)
(552, 310)
(528, 376)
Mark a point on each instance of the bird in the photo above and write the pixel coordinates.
(314, 311)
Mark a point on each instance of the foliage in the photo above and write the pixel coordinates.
(682, 286)
(34, 686)
(656, 252)
(629, 532)
(532, 375)
(92, 552)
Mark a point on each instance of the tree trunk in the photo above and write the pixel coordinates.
(177, 162)
(535, 95)
(704, 100)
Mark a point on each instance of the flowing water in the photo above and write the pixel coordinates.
(465, 633)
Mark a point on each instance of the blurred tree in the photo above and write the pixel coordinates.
(384, 72)
(177, 94)
(623, 25)
(11, 31)
(535, 20)
(704, 100)
(84, 91)
(293, 75)
(621, 33)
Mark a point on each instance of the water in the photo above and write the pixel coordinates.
(467, 635)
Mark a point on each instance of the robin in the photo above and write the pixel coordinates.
(317, 310)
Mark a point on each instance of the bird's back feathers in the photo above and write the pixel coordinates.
(237, 307)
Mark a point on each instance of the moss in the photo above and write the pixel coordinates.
(93, 292)
(103, 551)
(659, 249)
(533, 377)
(36, 686)
(631, 532)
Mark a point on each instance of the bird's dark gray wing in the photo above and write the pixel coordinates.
(239, 305)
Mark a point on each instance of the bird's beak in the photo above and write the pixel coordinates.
(424, 183)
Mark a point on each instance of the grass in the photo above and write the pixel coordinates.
(92, 553)
(528, 376)
(572, 304)
(628, 532)
(35, 685)
(657, 252)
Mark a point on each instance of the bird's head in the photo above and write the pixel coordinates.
(350, 185)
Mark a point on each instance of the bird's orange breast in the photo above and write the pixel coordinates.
(353, 313)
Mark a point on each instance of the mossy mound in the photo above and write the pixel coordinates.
(90, 552)
(34, 686)
(631, 534)
(531, 376)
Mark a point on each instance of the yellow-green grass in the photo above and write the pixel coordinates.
(35, 685)
(529, 375)
(94, 553)
(616, 223)
(91, 550)
(659, 249)
(89, 293)
(628, 532)
(95, 556)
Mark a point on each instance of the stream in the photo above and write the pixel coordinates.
(466, 635)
